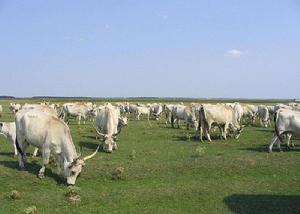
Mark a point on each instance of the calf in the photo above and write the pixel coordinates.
(9, 131)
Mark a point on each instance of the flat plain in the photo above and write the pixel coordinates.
(165, 171)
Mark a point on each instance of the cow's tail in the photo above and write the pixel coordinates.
(276, 127)
(202, 118)
(19, 148)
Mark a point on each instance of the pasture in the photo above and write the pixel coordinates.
(165, 171)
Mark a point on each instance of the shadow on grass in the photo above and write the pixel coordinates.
(90, 137)
(33, 168)
(256, 149)
(10, 154)
(91, 146)
(263, 204)
(275, 149)
(215, 138)
(265, 130)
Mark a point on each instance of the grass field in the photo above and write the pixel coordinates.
(165, 171)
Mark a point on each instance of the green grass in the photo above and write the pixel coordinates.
(164, 172)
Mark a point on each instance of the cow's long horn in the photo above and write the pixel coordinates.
(92, 155)
(102, 135)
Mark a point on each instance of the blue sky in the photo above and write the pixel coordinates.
(177, 48)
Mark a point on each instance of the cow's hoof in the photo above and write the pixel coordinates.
(41, 175)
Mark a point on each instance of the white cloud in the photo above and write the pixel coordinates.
(235, 53)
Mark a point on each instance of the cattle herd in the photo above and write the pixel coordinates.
(45, 126)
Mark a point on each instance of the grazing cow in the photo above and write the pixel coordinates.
(185, 113)
(14, 107)
(168, 108)
(220, 115)
(9, 131)
(250, 112)
(286, 122)
(140, 110)
(271, 109)
(130, 108)
(263, 115)
(108, 126)
(1, 110)
(282, 106)
(51, 135)
(42, 108)
(239, 111)
(78, 110)
(156, 110)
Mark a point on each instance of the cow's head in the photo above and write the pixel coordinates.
(72, 170)
(123, 121)
(108, 141)
(236, 130)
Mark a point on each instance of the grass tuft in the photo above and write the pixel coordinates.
(15, 195)
(118, 173)
(200, 151)
(31, 210)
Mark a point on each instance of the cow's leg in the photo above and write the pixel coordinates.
(172, 121)
(274, 139)
(289, 136)
(207, 135)
(187, 126)
(59, 163)
(79, 119)
(46, 156)
(148, 116)
(221, 131)
(22, 157)
(201, 133)
(278, 145)
(35, 152)
(14, 146)
(225, 127)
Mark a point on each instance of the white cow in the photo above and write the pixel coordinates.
(239, 111)
(14, 107)
(42, 108)
(78, 111)
(8, 129)
(185, 113)
(286, 122)
(140, 110)
(108, 125)
(51, 135)
(263, 115)
(220, 115)
(156, 110)
(250, 112)
(168, 108)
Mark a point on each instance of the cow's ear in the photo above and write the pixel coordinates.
(1, 124)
